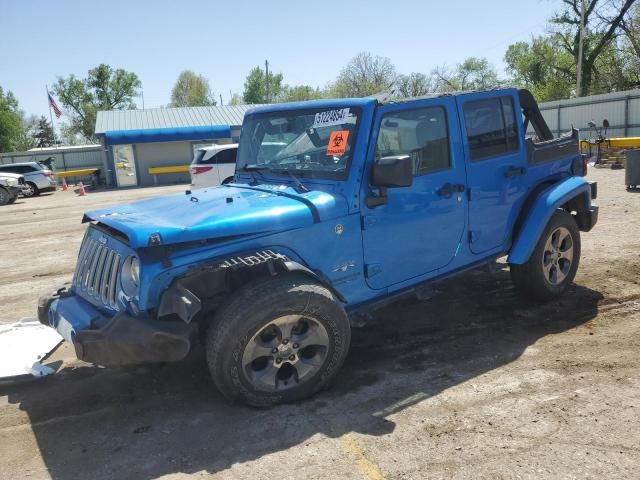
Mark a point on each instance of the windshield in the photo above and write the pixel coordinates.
(316, 143)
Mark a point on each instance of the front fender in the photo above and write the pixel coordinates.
(540, 212)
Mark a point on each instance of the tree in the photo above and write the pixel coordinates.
(472, 74)
(11, 127)
(543, 67)
(43, 134)
(236, 100)
(364, 75)
(103, 89)
(255, 87)
(191, 90)
(603, 19)
(415, 85)
(299, 93)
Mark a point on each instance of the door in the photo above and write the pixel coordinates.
(125, 165)
(419, 229)
(496, 168)
(226, 162)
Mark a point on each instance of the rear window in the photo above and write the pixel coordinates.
(224, 156)
(491, 127)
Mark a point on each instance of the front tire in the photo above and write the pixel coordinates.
(554, 262)
(279, 339)
(5, 196)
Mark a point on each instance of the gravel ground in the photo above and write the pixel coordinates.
(472, 383)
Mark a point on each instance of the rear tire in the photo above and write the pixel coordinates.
(553, 263)
(31, 190)
(227, 180)
(279, 339)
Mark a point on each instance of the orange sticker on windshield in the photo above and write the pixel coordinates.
(337, 143)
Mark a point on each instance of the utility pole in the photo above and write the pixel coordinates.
(221, 104)
(580, 51)
(266, 75)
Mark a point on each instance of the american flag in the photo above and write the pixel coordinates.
(53, 105)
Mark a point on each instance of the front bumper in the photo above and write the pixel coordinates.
(116, 341)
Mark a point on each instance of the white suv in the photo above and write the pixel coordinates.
(213, 165)
(37, 177)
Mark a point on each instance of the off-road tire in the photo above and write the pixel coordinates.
(530, 279)
(5, 196)
(254, 307)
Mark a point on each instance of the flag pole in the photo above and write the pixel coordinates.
(53, 128)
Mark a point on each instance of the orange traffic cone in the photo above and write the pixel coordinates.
(82, 192)
(65, 187)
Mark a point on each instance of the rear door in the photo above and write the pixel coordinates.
(226, 163)
(496, 166)
(419, 229)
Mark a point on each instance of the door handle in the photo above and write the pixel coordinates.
(515, 172)
(449, 189)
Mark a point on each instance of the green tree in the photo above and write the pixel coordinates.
(103, 89)
(543, 67)
(603, 21)
(299, 93)
(364, 75)
(43, 133)
(191, 90)
(11, 127)
(255, 87)
(236, 100)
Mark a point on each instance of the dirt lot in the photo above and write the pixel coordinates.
(473, 383)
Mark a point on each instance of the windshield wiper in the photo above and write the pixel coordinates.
(300, 187)
(254, 169)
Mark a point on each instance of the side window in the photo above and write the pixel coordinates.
(10, 169)
(491, 127)
(227, 156)
(421, 133)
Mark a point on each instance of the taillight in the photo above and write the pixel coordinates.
(198, 170)
(585, 163)
(47, 173)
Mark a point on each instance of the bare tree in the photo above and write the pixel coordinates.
(415, 84)
(364, 75)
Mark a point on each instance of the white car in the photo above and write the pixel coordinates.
(38, 178)
(214, 165)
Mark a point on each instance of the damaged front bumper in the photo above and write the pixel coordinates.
(116, 341)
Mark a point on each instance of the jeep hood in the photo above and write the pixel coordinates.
(226, 211)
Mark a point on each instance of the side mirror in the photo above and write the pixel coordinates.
(393, 171)
(390, 172)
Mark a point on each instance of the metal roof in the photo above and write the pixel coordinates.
(154, 118)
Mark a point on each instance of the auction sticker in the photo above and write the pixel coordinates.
(330, 117)
(337, 143)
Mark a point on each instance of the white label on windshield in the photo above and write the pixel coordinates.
(330, 117)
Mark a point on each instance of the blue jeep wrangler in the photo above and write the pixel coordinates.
(336, 206)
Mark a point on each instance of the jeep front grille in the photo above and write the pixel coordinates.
(97, 273)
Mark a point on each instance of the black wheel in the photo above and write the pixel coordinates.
(13, 199)
(554, 262)
(5, 196)
(227, 180)
(278, 339)
(31, 190)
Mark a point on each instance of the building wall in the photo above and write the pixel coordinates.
(622, 109)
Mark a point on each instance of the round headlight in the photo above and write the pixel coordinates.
(131, 276)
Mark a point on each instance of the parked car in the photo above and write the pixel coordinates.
(11, 185)
(368, 200)
(38, 178)
(214, 165)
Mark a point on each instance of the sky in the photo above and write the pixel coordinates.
(309, 42)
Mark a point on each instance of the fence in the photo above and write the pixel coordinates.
(622, 109)
(65, 158)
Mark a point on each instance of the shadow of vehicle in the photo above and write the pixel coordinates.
(92, 422)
